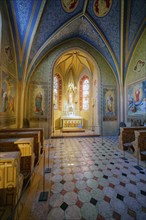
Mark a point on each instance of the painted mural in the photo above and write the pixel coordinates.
(8, 52)
(39, 101)
(38, 97)
(109, 104)
(139, 65)
(8, 94)
(69, 5)
(102, 7)
(137, 99)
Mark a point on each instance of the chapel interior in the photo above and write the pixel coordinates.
(72, 109)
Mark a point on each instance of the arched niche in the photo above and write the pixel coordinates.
(103, 78)
(72, 65)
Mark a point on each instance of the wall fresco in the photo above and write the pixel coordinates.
(38, 100)
(109, 104)
(7, 48)
(8, 94)
(137, 99)
(137, 67)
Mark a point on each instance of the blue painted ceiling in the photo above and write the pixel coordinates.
(40, 25)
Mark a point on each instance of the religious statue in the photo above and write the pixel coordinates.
(71, 94)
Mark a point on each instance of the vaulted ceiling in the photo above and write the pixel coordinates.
(38, 26)
(76, 60)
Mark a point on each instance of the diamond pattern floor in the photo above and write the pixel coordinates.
(91, 179)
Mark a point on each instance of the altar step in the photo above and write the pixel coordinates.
(73, 130)
(69, 134)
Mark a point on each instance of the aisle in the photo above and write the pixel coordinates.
(89, 180)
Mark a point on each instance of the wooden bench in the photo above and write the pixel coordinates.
(11, 180)
(127, 135)
(25, 146)
(140, 145)
(29, 134)
(8, 145)
(41, 130)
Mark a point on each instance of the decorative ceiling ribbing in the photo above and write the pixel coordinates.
(40, 25)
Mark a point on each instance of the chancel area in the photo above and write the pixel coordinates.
(72, 110)
(73, 95)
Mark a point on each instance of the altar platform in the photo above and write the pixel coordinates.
(73, 130)
(60, 134)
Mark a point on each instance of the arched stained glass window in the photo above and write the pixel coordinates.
(57, 92)
(84, 93)
(55, 98)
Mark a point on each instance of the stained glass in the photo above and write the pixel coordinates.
(55, 93)
(86, 94)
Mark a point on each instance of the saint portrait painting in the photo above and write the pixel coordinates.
(39, 103)
(69, 5)
(102, 7)
(109, 104)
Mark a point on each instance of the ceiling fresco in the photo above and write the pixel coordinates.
(40, 25)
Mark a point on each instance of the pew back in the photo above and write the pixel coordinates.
(10, 178)
(41, 130)
(31, 134)
(127, 135)
(8, 145)
(25, 146)
(140, 144)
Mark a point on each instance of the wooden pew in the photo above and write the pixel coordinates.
(26, 130)
(8, 145)
(30, 134)
(11, 181)
(140, 145)
(127, 135)
(25, 146)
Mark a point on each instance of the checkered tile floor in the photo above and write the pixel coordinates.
(91, 179)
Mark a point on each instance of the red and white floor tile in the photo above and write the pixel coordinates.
(91, 179)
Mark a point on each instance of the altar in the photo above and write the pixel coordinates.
(71, 123)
